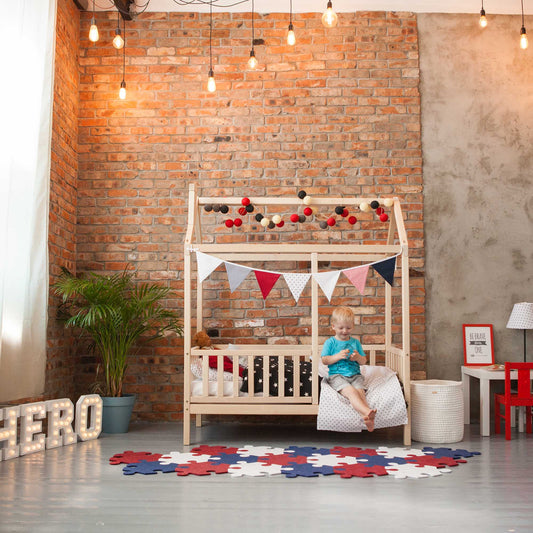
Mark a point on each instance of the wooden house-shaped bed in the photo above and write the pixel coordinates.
(217, 391)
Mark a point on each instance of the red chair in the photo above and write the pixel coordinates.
(523, 397)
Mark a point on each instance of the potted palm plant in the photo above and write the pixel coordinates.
(118, 315)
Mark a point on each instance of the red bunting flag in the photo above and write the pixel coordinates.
(266, 281)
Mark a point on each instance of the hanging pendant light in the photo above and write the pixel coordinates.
(523, 35)
(93, 31)
(291, 38)
(122, 91)
(118, 41)
(252, 62)
(211, 85)
(329, 18)
(482, 17)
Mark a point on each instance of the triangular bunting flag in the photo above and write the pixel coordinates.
(236, 275)
(327, 282)
(357, 277)
(386, 269)
(206, 265)
(266, 281)
(296, 283)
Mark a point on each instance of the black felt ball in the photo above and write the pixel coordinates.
(208, 208)
(301, 218)
(374, 204)
(216, 208)
(339, 209)
(249, 208)
(302, 194)
(323, 224)
(271, 225)
(259, 217)
(224, 209)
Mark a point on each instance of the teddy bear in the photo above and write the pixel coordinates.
(202, 340)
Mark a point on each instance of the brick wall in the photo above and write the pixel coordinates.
(63, 196)
(338, 115)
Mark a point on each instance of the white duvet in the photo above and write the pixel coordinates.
(383, 393)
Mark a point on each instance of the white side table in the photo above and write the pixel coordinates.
(485, 377)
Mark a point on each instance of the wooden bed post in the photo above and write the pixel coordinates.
(187, 317)
(406, 321)
(314, 327)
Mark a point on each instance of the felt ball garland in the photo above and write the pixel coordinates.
(296, 218)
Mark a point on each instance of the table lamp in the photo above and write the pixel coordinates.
(521, 318)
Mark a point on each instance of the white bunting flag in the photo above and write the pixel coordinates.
(206, 265)
(327, 282)
(296, 283)
(236, 275)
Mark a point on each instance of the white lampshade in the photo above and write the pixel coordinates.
(521, 316)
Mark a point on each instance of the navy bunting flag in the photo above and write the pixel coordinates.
(386, 269)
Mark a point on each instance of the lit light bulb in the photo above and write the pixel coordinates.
(291, 38)
(252, 62)
(523, 39)
(122, 92)
(482, 19)
(93, 32)
(118, 41)
(211, 85)
(329, 18)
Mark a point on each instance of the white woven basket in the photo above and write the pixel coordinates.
(437, 411)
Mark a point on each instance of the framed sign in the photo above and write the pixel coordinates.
(478, 344)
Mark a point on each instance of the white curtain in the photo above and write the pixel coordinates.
(27, 42)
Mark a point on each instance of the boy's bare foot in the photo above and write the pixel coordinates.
(369, 419)
(369, 423)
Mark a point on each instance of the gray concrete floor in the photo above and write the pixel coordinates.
(75, 489)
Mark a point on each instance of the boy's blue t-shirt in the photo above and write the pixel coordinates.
(345, 367)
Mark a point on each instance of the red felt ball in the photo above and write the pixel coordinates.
(237, 222)
(380, 211)
(384, 217)
(245, 201)
(229, 223)
(308, 211)
(352, 220)
(295, 217)
(345, 213)
(242, 211)
(330, 221)
(280, 224)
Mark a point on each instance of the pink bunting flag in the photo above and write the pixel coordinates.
(266, 281)
(357, 277)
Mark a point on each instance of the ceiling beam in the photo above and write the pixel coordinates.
(82, 5)
(123, 7)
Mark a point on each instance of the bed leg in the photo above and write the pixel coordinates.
(407, 435)
(198, 421)
(186, 426)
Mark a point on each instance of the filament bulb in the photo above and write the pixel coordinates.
(329, 18)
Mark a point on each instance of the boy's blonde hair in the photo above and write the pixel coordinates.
(342, 314)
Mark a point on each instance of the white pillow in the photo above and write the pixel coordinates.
(196, 369)
(243, 359)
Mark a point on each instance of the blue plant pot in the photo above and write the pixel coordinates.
(117, 413)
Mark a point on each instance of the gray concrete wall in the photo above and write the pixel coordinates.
(477, 140)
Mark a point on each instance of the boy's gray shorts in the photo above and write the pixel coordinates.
(339, 382)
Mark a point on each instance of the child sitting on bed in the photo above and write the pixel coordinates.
(343, 354)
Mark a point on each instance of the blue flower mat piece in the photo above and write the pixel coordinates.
(296, 461)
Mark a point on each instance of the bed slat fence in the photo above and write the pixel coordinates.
(394, 359)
